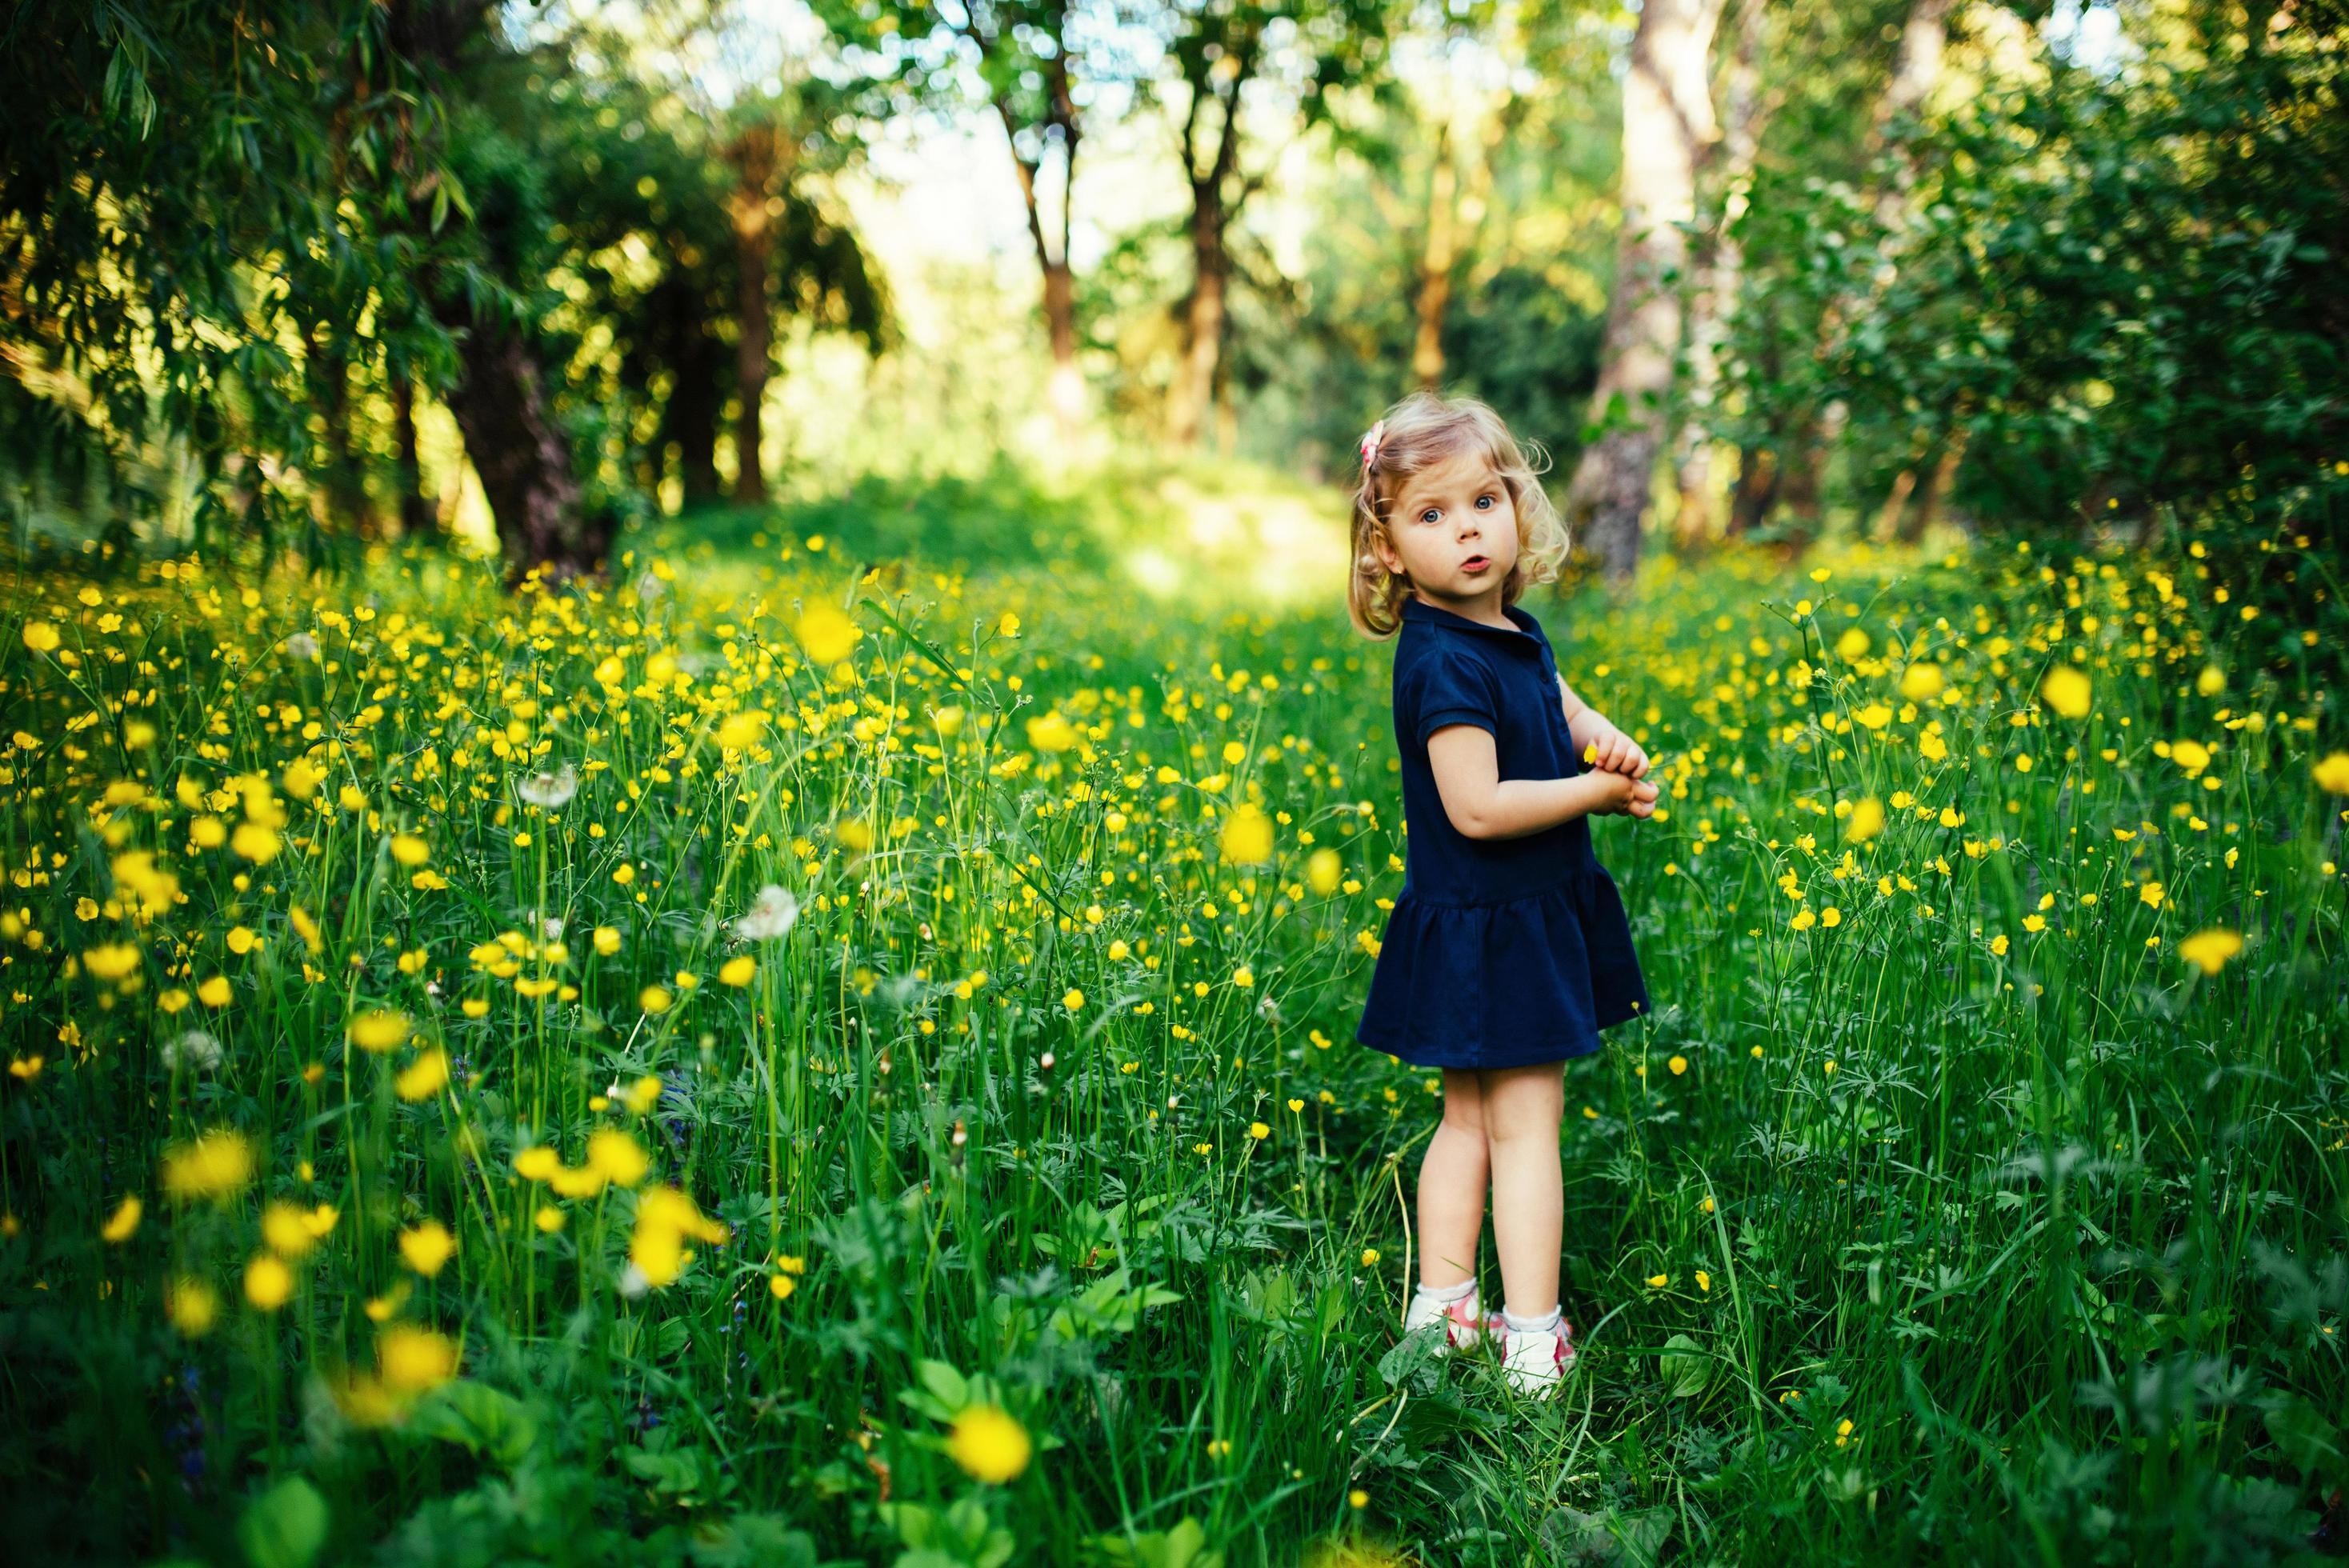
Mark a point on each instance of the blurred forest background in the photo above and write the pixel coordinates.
(286, 274)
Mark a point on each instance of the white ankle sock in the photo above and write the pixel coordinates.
(1532, 1325)
(1450, 1293)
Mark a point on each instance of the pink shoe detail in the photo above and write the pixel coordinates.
(1465, 1327)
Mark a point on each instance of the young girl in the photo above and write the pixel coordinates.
(1507, 950)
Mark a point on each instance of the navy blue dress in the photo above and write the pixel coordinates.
(1498, 952)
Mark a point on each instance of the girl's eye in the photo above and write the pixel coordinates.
(1485, 501)
(1430, 515)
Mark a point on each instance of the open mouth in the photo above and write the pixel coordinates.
(1476, 563)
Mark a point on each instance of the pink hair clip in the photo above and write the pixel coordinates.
(1370, 439)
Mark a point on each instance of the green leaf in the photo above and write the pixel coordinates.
(2308, 1441)
(1687, 1370)
(478, 1417)
(284, 1527)
(753, 1541)
(951, 1388)
(1413, 1359)
(1185, 1546)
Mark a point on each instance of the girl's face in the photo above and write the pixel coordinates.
(1453, 532)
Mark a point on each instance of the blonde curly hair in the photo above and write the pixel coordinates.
(1421, 432)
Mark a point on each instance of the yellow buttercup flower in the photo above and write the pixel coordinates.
(378, 1029)
(428, 1247)
(826, 633)
(412, 1359)
(741, 730)
(617, 1157)
(2210, 950)
(989, 1444)
(123, 1223)
(424, 1077)
(110, 961)
(2066, 690)
(286, 1229)
(214, 1165)
(254, 842)
(191, 1305)
(1052, 732)
(1246, 837)
(268, 1283)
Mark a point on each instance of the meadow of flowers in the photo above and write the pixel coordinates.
(773, 1061)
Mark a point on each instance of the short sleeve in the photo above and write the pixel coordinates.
(1448, 688)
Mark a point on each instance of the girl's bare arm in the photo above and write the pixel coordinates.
(1617, 752)
(1482, 805)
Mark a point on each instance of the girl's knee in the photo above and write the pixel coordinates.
(1524, 1104)
(1463, 1103)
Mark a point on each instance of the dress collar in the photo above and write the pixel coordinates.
(1414, 608)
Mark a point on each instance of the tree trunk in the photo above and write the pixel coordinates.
(1067, 387)
(694, 406)
(523, 459)
(1720, 272)
(1751, 503)
(1213, 208)
(757, 158)
(338, 468)
(1068, 384)
(1436, 263)
(1667, 120)
(1196, 395)
(501, 407)
(417, 518)
(1896, 502)
(1928, 510)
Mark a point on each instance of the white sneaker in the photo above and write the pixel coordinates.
(1536, 1359)
(1465, 1328)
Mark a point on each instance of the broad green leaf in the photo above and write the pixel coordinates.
(284, 1527)
(1687, 1370)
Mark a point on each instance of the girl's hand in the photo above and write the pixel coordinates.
(1616, 752)
(1620, 794)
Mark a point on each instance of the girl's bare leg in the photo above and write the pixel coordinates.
(1451, 1176)
(1522, 1107)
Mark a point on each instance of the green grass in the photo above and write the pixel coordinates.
(2052, 1218)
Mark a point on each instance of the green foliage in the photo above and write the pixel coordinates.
(186, 194)
(2112, 288)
